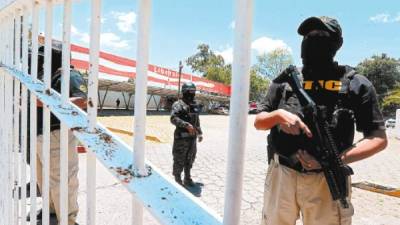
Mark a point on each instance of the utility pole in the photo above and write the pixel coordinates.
(179, 82)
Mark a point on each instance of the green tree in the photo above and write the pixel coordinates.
(258, 85)
(271, 64)
(203, 59)
(210, 65)
(392, 101)
(213, 67)
(382, 71)
(220, 74)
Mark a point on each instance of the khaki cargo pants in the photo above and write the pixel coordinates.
(73, 182)
(288, 193)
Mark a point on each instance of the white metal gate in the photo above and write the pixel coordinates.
(168, 203)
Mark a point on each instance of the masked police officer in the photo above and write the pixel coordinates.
(185, 116)
(294, 182)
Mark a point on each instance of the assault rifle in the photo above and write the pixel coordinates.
(323, 146)
(194, 109)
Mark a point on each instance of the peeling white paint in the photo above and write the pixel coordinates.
(168, 202)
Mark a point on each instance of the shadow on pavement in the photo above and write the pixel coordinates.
(130, 112)
(195, 189)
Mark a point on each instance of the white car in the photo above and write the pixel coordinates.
(390, 123)
(219, 110)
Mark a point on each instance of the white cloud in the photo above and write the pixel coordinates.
(107, 40)
(80, 36)
(112, 40)
(102, 20)
(385, 18)
(232, 25)
(264, 45)
(397, 19)
(227, 54)
(380, 18)
(125, 21)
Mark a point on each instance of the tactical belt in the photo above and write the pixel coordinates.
(185, 135)
(285, 161)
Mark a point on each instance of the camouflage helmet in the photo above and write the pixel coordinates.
(188, 87)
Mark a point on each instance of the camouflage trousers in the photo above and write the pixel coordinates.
(184, 153)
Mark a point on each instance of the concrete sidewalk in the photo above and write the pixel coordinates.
(210, 169)
(114, 202)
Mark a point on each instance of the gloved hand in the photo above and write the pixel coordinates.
(200, 138)
(191, 129)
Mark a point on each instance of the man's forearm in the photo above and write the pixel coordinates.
(369, 146)
(178, 122)
(266, 120)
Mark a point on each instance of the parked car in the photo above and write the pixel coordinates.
(390, 123)
(253, 108)
(219, 110)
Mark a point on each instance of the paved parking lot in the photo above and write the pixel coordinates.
(209, 170)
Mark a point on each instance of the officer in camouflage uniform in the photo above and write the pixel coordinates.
(185, 116)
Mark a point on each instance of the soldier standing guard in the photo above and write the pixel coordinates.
(295, 183)
(185, 116)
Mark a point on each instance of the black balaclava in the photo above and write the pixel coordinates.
(188, 92)
(322, 38)
(188, 96)
(318, 50)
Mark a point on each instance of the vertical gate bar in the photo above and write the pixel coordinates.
(24, 114)
(46, 111)
(4, 115)
(2, 43)
(2, 126)
(17, 39)
(92, 106)
(33, 112)
(16, 113)
(16, 160)
(3, 149)
(66, 51)
(9, 96)
(11, 118)
(7, 35)
(144, 13)
(239, 111)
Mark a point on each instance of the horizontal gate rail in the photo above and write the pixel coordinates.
(168, 202)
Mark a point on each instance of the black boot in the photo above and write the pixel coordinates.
(188, 180)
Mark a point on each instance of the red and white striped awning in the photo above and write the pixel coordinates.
(121, 69)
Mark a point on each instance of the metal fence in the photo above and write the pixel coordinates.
(149, 187)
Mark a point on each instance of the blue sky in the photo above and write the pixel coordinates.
(178, 26)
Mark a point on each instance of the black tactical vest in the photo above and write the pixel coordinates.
(190, 113)
(341, 119)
